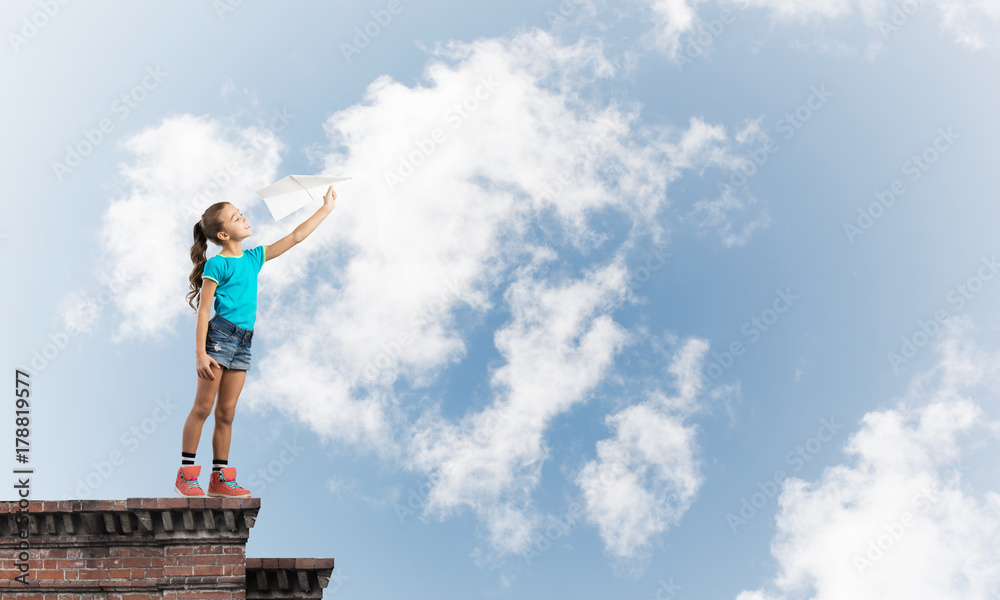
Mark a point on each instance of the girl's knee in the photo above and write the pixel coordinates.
(201, 411)
(201, 415)
(223, 417)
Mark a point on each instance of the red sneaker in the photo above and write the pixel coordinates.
(222, 484)
(187, 481)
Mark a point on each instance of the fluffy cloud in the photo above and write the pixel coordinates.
(905, 519)
(180, 167)
(646, 477)
(478, 181)
(972, 23)
(722, 215)
(557, 348)
(493, 166)
(674, 18)
(473, 185)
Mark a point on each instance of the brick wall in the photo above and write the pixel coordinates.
(142, 549)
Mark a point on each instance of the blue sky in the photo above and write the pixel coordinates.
(698, 297)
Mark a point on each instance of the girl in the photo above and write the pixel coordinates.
(222, 344)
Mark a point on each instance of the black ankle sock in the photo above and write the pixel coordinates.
(218, 464)
(187, 458)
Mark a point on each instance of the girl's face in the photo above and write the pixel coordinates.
(234, 224)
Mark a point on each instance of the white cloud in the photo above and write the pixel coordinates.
(734, 215)
(448, 188)
(905, 519)
(470, 185)
(972, 23)
(443, 219)
(722, 215)
(557, 348)
(180, 167)
(79, 311)
(646, 477)
(674, 18)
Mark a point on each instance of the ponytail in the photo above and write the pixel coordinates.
(207, 228)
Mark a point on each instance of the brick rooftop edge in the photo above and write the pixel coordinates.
(144, 549)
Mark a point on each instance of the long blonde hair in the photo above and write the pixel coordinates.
(207, 228)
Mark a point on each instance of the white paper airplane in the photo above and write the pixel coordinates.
(295, 191)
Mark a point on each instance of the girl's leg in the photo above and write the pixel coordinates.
(204, 398)
(225, 410)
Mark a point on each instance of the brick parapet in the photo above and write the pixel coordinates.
(138, 548)
(287, 578)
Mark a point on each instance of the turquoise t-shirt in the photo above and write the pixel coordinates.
(236, 276)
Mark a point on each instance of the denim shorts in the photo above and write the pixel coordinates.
(228, 343)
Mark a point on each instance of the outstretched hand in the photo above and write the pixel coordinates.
(330, 198)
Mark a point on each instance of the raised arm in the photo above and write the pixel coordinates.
(303, 230)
